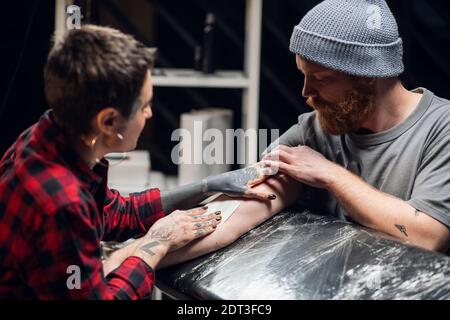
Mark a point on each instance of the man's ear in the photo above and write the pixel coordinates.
(108, 121)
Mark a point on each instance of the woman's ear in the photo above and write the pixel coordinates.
(108, 121)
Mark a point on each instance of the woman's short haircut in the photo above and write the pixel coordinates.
(92, 68)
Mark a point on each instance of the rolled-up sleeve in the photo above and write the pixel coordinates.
(132, 216)
(68, 263)
(431, 191)
(293, 137)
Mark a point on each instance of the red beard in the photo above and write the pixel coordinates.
(345, 116)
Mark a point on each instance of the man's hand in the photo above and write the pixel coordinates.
(240, 182)
(361, 201)
(302, 164)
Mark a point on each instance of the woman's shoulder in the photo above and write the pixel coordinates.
(50, 185)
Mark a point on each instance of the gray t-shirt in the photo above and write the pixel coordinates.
(410, 161)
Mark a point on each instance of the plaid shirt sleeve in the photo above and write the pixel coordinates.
(128, 217)
(67, 262)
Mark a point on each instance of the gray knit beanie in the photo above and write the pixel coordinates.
(357, 37)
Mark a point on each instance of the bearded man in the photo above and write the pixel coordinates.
(372, 152)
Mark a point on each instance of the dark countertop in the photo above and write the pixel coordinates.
(298, 255)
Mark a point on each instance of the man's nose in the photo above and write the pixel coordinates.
(308, 90)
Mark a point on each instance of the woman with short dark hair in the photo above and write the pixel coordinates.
(55, 206)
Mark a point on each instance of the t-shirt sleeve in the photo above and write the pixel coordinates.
(431, 191)
(293, 137)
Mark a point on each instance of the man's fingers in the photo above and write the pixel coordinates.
(268, 171)
(279, 155)
(284, 156)
(281, 147)
(279, 166)
(277, 149)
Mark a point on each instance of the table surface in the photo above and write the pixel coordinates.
(299, 255)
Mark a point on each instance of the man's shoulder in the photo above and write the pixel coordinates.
(437, 115)
(307, 118)
(308, 122)
(311, 129)
(440, 103)
(441, 106)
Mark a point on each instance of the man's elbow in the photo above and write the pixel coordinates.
(439, 242)
(440, 245)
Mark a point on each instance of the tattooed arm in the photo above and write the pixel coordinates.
(167, 234)
(377, 210)
(362, 202)
(236, 183)
(156, 243)
(247, 216)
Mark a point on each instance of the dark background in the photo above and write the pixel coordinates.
(175, 27)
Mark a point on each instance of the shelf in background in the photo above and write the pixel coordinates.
(192, 78)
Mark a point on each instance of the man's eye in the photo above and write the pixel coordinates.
(322, 80)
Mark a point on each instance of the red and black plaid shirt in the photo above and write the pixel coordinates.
(54, 211)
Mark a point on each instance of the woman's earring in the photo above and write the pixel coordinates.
(94, 141)
(120, 136)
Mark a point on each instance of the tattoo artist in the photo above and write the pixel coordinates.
(55, 207)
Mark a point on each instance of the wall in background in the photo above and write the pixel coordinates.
(175, 27)
(26, 28)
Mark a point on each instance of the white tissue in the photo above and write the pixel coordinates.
(227, 207)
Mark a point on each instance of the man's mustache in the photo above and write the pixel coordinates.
(317, 104)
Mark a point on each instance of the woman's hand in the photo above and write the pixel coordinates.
(240, 182)
(178, 229)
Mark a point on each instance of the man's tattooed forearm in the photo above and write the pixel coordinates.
(147, 248)
(401, 228)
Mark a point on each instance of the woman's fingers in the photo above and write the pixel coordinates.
(261, 195)
(206, 217)
(203, 232)
(197, 211)
(205, 224)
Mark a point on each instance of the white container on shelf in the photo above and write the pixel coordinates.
(129, 172)
(195, 166)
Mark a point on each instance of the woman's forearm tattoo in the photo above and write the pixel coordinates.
(147, 248)
(164, 233)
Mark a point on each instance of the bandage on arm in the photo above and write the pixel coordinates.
(249, 214)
